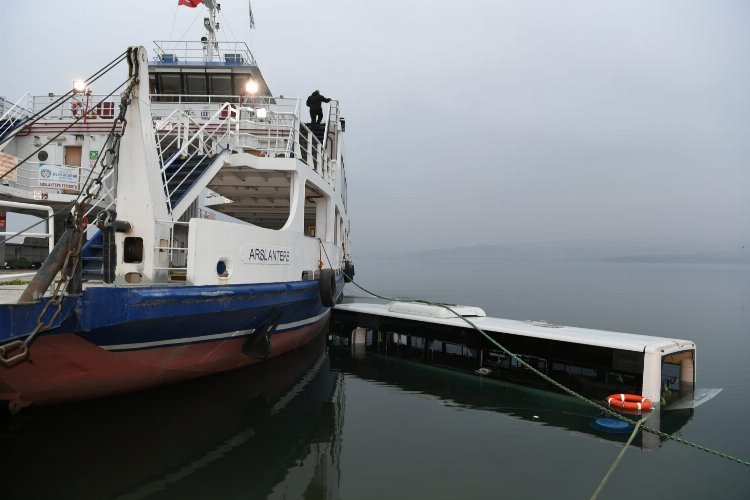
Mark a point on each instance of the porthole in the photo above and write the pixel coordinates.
(223, 268)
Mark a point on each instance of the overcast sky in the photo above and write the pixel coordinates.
(478, 122)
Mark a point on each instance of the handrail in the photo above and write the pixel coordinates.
(27, 178)
(222, 119)
(93, 106)
(16, 105)
(50, 234)
(10, 119)
(278, 132)
(188, 50)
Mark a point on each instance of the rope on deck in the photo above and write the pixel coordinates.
(557, 384)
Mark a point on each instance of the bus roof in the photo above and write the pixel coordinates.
(436, 315)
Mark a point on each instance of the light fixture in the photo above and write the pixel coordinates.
(261, 112)
(79, 86)
(251, 87)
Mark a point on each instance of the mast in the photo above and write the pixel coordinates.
(211, 44)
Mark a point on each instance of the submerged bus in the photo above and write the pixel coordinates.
(592, 362)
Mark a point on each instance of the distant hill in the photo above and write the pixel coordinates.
(570, 251)
(738, 257)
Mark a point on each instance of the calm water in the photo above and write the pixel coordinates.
(308, 426)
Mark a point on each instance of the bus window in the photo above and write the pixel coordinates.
(533, 361)
(623, 383)
(670, 376)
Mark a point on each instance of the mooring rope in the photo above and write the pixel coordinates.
(557, 384)
(619, 457)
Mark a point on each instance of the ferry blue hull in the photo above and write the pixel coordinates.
(113, 340)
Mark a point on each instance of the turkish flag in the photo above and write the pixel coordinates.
(189, 3)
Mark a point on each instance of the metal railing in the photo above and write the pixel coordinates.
(12, 115)
(13, 110)
(266, 126)
(30, 207)
(182, 138)
(177, 52)
(176, 250)
(77, 106)
(27, 179)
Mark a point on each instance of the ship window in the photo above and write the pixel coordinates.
(196, 86)
(239, 83)
(152, 84)
(222, 268)
(170, 83)
(220, 84)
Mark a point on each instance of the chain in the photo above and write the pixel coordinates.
(55, 302)
(108, 159)
(91, 190)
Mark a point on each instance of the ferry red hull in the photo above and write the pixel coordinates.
(65, 367)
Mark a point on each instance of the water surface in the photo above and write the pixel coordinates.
(311, 425)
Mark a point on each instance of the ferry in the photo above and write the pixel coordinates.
(200, 224)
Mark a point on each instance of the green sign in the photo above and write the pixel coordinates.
(93, 155)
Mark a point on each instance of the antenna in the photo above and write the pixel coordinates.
(250, 12)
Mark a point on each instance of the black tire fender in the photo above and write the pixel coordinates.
(327, 287)
(348, 271)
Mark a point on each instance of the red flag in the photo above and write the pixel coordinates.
(189, 3)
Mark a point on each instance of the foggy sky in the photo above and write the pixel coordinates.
(478, 122)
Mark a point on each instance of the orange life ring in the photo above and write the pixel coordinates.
(630, 402)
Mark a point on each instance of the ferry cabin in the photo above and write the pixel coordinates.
(593, 362)
(215, 126)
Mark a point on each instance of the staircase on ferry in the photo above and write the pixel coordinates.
(13, 116)
(191, 153)
(182, 173)
(93, 258)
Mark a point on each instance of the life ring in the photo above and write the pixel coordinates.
(629, 402)
(327, 287)
(75, 108)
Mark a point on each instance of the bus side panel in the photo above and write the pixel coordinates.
(652, 376)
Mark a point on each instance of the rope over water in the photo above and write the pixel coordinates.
(619, 457)
(557, 384)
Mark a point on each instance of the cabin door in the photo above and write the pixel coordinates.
(72, 159)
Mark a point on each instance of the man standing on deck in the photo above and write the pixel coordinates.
(314, 102)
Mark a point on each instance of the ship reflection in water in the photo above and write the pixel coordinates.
(269, 431)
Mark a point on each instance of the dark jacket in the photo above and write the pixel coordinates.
(314, 102)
